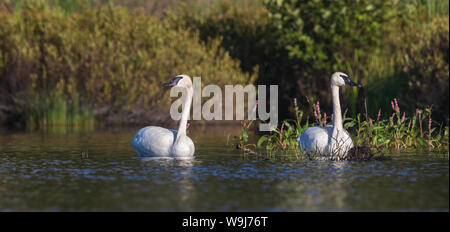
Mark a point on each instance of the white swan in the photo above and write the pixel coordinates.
(331, 141)
(154, 141)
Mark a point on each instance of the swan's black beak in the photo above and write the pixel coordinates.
(354, 84)
(172, 82)
(350, 82)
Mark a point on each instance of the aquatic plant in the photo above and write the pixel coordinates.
(397, 132)
(85, 154)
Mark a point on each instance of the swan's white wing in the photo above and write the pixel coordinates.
(314, 139)
(153, 141)
(184, 148)
(343, 143)
(191, 146)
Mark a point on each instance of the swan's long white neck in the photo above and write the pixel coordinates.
(337, 115)
(333, 140)
(185, 114)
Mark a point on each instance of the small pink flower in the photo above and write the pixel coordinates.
(318, 107)
(245, 124)
(371, 120)
(295, 102)
(188, 125)
(429, 124)
(379, 114)
(392, 104)
(396, 105)
(315, 113)
(281, 130)
(256, 106)
(403, 117)
(324, 119)
(409, 124)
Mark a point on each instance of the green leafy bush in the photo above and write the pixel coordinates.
(413, 66)
(388, 46)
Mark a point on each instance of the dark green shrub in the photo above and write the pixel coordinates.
(417, 67)
(298, 44)
(245, 34)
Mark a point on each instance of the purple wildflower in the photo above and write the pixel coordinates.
(318, 107)
(396, 105)
(392, 119)
(281, 130)
(254, 107)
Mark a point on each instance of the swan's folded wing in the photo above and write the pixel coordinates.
(153, 141)
(314, 139)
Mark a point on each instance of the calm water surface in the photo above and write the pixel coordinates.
(46, 172)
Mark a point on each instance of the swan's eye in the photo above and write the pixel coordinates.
(345, 78)
(177, 79)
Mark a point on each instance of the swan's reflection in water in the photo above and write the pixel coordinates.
(313, 186)
(182, 167)
(182, 161)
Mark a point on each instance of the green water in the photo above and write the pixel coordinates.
(47, 172)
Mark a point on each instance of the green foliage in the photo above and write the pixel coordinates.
(247, 36)
(394, 48)
(242, 32)
(84, 59)
(397, 132)
(285, 139)
(324, 33)
(412, 65)
(106, 63)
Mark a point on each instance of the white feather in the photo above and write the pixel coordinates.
(332, 141)
(154, 141)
